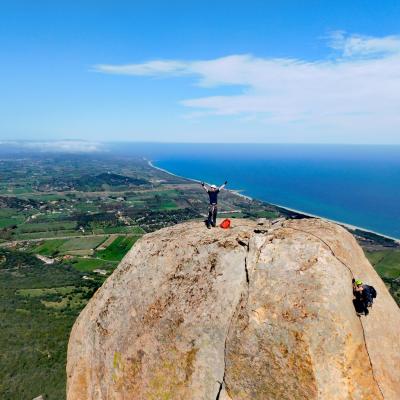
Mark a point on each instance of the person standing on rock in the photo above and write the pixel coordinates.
(212, 191)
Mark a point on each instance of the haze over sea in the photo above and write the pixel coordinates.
(358, 185)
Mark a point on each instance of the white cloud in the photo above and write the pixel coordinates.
(359, 89)
(358, 45)
(59, 146)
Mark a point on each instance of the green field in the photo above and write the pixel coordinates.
(20, 190)
(90, 264)
(10, 221)
(42, 196)
(78, 246)
(133, 230)
(49, 247)
(46, 226)
(81, 243)
(118, 248)
(386, 262)
(41, 292)
(168, 204)
(135, 201)
(230, 215)
(265, 214)
(8, 217)
(84, 246)
(7, 212)
(52, 217)
(44, 235)
(86, 207)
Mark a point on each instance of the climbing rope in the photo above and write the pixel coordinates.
(352, 275)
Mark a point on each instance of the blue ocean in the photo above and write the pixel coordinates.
(358, 185)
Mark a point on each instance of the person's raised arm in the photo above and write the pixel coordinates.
(204, 187)
(222, 186)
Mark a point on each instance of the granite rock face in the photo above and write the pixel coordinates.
(253, 312)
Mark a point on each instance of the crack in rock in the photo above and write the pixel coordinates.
(220, 388)
(222, 383)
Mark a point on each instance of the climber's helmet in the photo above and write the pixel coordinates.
(358, 282)
(214, 187)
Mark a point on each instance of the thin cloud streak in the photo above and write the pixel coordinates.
(56, 146)
(152, 68)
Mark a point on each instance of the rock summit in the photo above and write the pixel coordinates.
(258, 311)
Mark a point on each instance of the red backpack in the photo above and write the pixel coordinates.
(225, 224)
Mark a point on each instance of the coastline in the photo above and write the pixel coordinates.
(237, 193)
(233, 191)
(346, 225)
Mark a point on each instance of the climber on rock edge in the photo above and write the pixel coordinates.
(212, 191)
(364, 296)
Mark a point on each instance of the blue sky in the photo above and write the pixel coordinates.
(201, 71)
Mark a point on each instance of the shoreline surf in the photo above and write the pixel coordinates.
(237, 193)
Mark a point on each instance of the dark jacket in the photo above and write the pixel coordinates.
(365, 295)
(213, 195)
